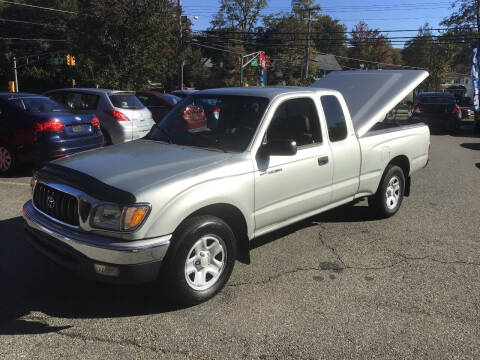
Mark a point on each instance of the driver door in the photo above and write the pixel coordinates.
(288, 188)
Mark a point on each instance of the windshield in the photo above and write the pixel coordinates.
(222, 122)
(125, 101)
(37, 105)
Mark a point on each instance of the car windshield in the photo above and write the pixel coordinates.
(218, 122)
(38, 104)
(125, 101)
(436, 100)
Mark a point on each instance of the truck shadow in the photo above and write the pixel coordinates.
(477, 165)
(345, 213)
(30, 283)
(471, 146)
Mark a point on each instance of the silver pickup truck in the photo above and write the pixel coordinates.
(224, 167)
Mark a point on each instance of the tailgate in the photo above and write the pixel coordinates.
(371, 94)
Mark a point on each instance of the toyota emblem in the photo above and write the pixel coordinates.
(50, 202)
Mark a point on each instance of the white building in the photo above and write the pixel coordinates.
(455, 79)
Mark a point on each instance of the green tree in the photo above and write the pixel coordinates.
(27, 23)
(240, 15)
(435, 55)
(125, 43)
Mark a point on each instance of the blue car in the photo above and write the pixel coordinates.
(35, 129)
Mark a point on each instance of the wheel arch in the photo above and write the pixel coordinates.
(237, 222)
(403, 163)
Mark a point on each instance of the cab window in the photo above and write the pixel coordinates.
(297, 120)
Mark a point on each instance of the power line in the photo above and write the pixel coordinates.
(38, 7)
(28, 22)
(21, 39)
(314, 32)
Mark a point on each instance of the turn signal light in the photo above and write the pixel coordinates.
(95, 122)
(133, 217)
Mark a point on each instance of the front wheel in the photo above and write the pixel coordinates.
(388, 199)
(200, 260)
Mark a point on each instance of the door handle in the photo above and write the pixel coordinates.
(322, 160)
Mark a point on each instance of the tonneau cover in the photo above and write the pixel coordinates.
(371, 94)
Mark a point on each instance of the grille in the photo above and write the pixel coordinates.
(57, 204)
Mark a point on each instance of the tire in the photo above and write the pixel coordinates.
(190, 264)
(107, 140)
(8, 160)
(388, 199)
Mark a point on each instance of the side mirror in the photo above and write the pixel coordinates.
(280, 148)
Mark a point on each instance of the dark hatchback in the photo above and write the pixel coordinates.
(36, 129)
(438, 110)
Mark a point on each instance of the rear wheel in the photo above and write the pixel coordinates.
(107, 140)
(200, 260)
(388, 199)
(7, 160)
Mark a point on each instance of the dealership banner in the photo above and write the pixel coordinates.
(475, 77)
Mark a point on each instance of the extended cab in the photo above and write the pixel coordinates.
(223, 167)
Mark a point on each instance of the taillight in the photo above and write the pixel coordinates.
(117, 115)
(416, 110)
(457, 110)
(50, 126)
(151, 115)
(95, 122)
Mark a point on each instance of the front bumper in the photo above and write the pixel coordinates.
(94, 256)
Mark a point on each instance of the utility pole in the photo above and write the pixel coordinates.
(241, 70)
(15, 73)
(180, 40)
(307, 50)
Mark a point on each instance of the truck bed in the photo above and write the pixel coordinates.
(386, 141)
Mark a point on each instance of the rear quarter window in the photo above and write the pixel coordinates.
(125, 101)
(336, 123)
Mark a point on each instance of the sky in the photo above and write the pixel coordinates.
(384, 15)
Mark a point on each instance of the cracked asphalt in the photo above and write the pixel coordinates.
(339, 285)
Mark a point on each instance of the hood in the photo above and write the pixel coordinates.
(136, 165)
(371, 94)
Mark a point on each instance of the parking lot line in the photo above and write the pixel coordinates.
(14, 183)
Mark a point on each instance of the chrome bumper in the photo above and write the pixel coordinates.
(97, 247)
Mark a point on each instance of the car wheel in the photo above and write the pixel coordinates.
(107, 140)
(388, 199)
(7, 160)
(200, 260)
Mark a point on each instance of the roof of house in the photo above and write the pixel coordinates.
(327, 62)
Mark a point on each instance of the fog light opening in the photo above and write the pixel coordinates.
(106, 270)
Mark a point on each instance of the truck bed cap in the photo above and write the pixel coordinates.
(371, 94)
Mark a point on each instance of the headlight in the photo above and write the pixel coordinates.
(119, 218)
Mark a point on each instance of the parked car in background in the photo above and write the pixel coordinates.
(438, 110)
(36, 129)
(122, 116)
(183, 93)
(158, 103)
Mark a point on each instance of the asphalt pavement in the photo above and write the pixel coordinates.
(339, 285)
